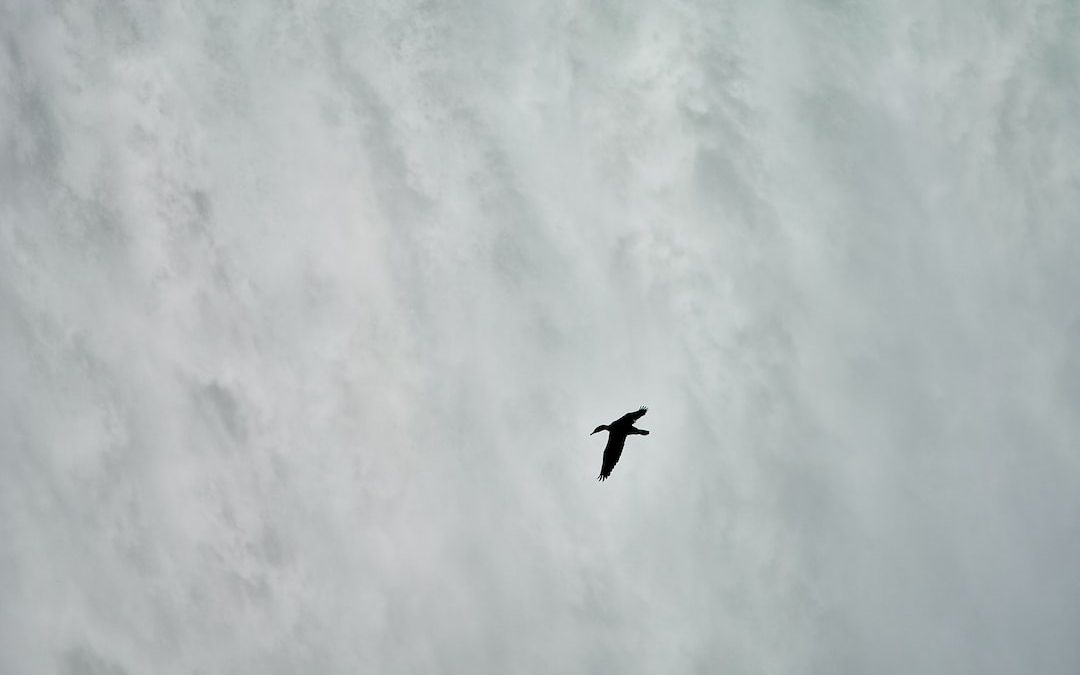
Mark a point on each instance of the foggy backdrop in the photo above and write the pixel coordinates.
(307, 309)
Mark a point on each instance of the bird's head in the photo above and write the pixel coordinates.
(602, 427)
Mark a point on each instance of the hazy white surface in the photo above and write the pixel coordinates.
(306, 309)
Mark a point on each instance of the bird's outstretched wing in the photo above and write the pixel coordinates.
(631, 417)
(612, 452)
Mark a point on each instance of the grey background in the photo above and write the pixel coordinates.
(306, 309)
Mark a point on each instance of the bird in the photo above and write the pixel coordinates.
(617, 433)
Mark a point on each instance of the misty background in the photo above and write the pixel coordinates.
(307, 309)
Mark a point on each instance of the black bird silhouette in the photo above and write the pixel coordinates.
(617, 433)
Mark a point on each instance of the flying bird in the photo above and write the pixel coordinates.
(617, 433)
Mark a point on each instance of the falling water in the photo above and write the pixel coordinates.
(307, 309)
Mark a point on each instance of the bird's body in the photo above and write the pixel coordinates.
(617, 433)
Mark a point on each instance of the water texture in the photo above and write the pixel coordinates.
(307, 309)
